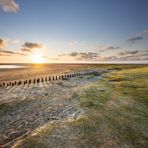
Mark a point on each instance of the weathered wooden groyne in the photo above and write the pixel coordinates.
(49, 78)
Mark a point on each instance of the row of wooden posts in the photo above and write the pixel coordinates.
(44, 79)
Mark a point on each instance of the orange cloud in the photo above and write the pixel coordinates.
(3, 43)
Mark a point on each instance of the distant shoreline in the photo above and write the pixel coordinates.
(110, 63)
(26, 71)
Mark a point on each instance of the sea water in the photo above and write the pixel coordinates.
(11, 66)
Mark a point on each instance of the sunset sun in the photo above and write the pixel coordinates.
(37, 58)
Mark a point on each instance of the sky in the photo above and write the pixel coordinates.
(69, 31)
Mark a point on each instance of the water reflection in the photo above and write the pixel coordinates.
(11, 66)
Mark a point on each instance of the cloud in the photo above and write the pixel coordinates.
(134, 39)
(32, 45)
(125, 56)
(128, 52)
(81, 56)
(73, 44)
(26, 50)
(133, 55)
(9, 6)
(109, 58)
(29, 47)
(54, 59)
(77, 44)
(8, 53)
(16, 41)
(88, 56)
(145, 32)
(103, 48)
(73, 54)
(138, 37)
(3, 43)
(5, 52)
(137, 55)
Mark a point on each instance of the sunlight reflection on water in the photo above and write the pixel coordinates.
(11, 66)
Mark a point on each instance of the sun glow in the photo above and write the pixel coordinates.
(37, 58)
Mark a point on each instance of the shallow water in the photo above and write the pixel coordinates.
(11, 66)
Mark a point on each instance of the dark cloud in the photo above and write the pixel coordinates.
(89, 56)
(139, 36)
(29, 47)
(9, 5)
(128, 52)
(134, 39)
(32, 45)
(73, 54)
(81, 55)
(112, 47)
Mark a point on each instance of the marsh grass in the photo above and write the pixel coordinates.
(115, 114)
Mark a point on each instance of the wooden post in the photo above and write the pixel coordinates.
(53, 78)
(30, 81)
(37, 80)
(46, 79)
(49, 78)
(62, 77)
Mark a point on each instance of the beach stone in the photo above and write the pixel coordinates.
(46, 94)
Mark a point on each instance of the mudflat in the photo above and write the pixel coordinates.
(36, 70)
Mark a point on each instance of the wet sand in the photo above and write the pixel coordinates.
(34, 71)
